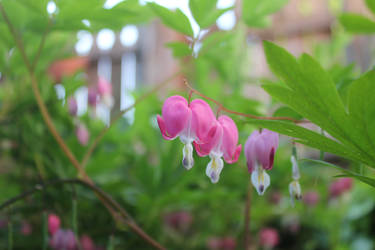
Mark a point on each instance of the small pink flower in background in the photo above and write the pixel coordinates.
(82, 134)
(92, 96)
(63, 240)
(192, 122)
(223, 143)
(180, 221)
(260, 149)
(340, 186)
(268, 237)
(53, 223)
(311, 198)
(72, 106)
(105, 92)
(87, 243)
(26, 228)
(226, 243)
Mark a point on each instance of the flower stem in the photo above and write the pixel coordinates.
(247, 218)
(45, 230)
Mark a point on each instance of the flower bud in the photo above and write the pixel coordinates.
(268, 238)
(53, 223)
(72, 106)
(82, 134)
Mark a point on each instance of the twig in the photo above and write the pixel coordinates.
(222, 108)
(100, 136)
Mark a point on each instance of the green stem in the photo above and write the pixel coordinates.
(45, 230)
(10, 234)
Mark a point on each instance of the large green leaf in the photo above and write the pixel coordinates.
(174, 19)
(357, 23)
(362, 109)
(179, 49)
(255, 12)
(371, 5)
(205, 12)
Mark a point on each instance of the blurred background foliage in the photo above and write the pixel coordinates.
(180, 209)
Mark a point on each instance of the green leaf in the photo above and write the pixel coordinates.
(371, 5)
(362, 109)
(179, 49)
(255, 12)
(287, 112)
(357, 24)
(173, 19)
(205, 12)
(348, 173)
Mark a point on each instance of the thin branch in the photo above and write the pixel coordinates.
(100, 136)
(222, 108)
(41, 45)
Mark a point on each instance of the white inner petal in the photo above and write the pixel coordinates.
(214, 168)
(295, 169)
(187, 160)
(260, 179)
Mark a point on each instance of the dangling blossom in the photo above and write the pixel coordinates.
(260, 149)
(340, 186)
(26, 228)
(311, 198)
(105, 92)
(92, 96)
(87, 243)
(53, 223)
(268, 238)
(222, 144)
(63, 240)
(72, 106)
(194, 122)
(294, 187)
(82, 134)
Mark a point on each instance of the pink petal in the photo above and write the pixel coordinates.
(216, 134)
(230, 139)
(250, 153)
(163, 131)
(203, 119)
(104, 87)
(175, 114)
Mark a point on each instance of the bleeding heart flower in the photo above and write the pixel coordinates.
(63, 240)
(105, 92)
(194, 122)
(223, 143)
(87, 243)
(92, 96)
(53, 223)
(26, 228)
(268, 237)
(82, 134)
(311, 198)
(72, 106)
(294, 187)
(260, 151)
(340, 186)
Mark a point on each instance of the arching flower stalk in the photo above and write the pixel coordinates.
(294, 187)
(260, 149)
(223, 143)
(194, 122)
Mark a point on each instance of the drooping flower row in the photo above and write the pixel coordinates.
(195, 124)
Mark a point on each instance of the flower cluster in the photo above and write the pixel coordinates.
(64, 239)
(260, 149)
(195, 124)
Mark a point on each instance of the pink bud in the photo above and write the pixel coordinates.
(268, 237)
(340, 186)
(53, 223)
(82, 134)
(63, 240)
(72, 106)
(180, 221)
(87, 243)
(311, 198)
(92, 96)
(26, 228)
(104, 87)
